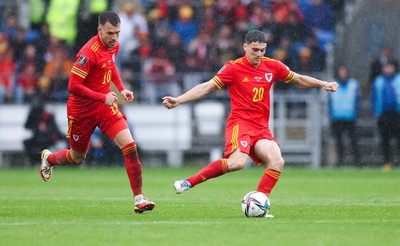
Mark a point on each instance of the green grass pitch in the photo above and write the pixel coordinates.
(93, 206)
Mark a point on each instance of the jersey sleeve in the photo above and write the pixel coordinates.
(117, 79)
(79, 71)
(283, 72)
(224, 76)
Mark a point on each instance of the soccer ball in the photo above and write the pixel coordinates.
(255, 204)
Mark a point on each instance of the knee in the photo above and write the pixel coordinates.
(277, 164)
(236, 164)
(78, 159)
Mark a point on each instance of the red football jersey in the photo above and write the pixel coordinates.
(93, 71)
(249, 89)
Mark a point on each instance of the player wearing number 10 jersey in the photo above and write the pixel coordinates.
(92, 104)
(249, 80)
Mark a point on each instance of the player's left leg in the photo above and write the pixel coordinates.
(122, 136)
(59, 158)
(268, 152)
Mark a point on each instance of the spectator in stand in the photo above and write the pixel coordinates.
(192, 73)
(229, 11)
(7, 69)
(282, 9)
(385, 105)
(209, 18)
(343, 112)
(19, 43)
(159, 76)
(320, 19)
(270, 28)
(134, 30)
(224, 47)
(42, 43)
(56, 74)
(304, 61)
(88, 18)
(256, 16)
(286, 53)
(45, 131)
(159, 30)
(318, 55)
(295, 29)
(62, 17)
(37, 11)
(27, 76)
(311, 58)
(185, 25)
(200, 47)
(385, 55)
(10, 27)
(176, 51)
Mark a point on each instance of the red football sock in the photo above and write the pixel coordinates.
(61, 158)
(212, 170)
(133, 167)
(268, 181)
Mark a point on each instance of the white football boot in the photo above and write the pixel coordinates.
(182, 185)
(143, 205)
(45, 169)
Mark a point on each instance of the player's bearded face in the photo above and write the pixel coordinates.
(255, 52)
(109, 34)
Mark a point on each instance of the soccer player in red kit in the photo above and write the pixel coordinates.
(249, 80)
(92, 104)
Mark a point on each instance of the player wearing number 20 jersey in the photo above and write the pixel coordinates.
(249, 89)
(249, 80)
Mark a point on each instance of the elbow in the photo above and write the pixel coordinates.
(71, 89)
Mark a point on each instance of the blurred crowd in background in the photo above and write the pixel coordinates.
(166, 46)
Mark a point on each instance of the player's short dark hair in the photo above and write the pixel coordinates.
(255, 36)
(109, 16)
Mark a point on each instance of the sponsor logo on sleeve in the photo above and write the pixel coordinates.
(82, 60)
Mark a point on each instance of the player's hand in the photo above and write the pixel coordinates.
(330, 86)
(128, 95)
(111, 98)
(170, 102)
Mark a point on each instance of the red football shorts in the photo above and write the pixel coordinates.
(245, 138)
(110, 121)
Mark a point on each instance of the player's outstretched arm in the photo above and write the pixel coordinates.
(193, 94)
(310, 82)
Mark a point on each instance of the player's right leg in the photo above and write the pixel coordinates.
(79, 140)
(182, 185)
(61, 158)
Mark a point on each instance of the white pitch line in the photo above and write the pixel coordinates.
(28, 223)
